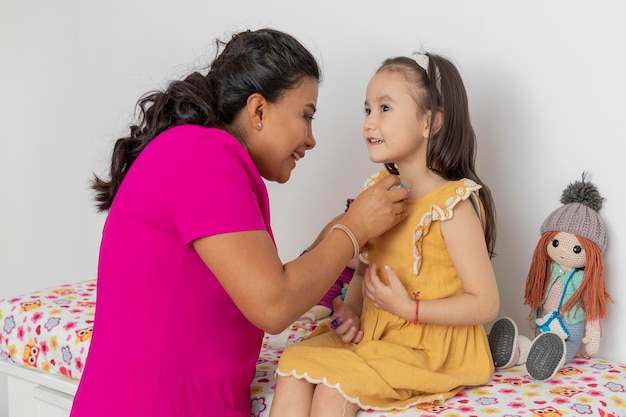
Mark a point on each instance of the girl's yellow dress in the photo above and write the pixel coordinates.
(399, 364)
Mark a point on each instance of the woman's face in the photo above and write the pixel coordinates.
(286, 132)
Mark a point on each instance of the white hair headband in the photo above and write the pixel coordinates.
(424, 61)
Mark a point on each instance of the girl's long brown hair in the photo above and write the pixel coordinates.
(451, 152)
(591, 296)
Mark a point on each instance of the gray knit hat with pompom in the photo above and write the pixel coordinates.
(579, 213)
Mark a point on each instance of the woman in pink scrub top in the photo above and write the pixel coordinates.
(189, 277)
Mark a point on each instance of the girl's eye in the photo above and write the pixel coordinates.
(384, 108)
(367, 112)
(577, 249)
(309, 117)
(555, 243)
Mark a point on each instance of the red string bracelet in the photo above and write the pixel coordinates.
(416, 297)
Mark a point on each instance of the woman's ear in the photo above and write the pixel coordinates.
(255, 106)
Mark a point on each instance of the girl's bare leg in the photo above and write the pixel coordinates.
(292, 397)
(328, 402)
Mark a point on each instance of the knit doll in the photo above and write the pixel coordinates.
(564, 289)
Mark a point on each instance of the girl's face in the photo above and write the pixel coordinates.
(286, 132)
(394, 126)
(566, 250)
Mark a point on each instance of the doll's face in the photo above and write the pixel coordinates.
(566, 250)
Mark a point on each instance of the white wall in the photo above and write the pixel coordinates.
(545, 82)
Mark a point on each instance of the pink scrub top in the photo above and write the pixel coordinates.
(167, 339)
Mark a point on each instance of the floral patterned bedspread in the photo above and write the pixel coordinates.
(49, 329)
(584, 387)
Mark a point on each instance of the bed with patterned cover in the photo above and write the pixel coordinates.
(45, 335)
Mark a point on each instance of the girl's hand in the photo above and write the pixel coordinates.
(345, 322)
(386, 297)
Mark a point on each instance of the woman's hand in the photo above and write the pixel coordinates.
(377, 209)
(345, 322)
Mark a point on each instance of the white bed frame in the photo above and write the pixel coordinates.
(32, 393)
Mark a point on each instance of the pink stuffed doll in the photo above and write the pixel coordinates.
(564, 289)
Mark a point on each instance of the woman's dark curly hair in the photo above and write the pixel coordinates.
(265, 61)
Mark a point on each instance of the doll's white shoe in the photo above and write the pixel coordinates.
(503, 342)
(546, 356)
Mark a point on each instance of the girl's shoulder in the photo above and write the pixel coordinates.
(447, 195)
(462, 188)
(453, 192)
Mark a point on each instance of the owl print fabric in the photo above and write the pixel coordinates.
(50, 329)
(588, 387)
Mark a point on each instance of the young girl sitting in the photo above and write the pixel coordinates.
(410, 330)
